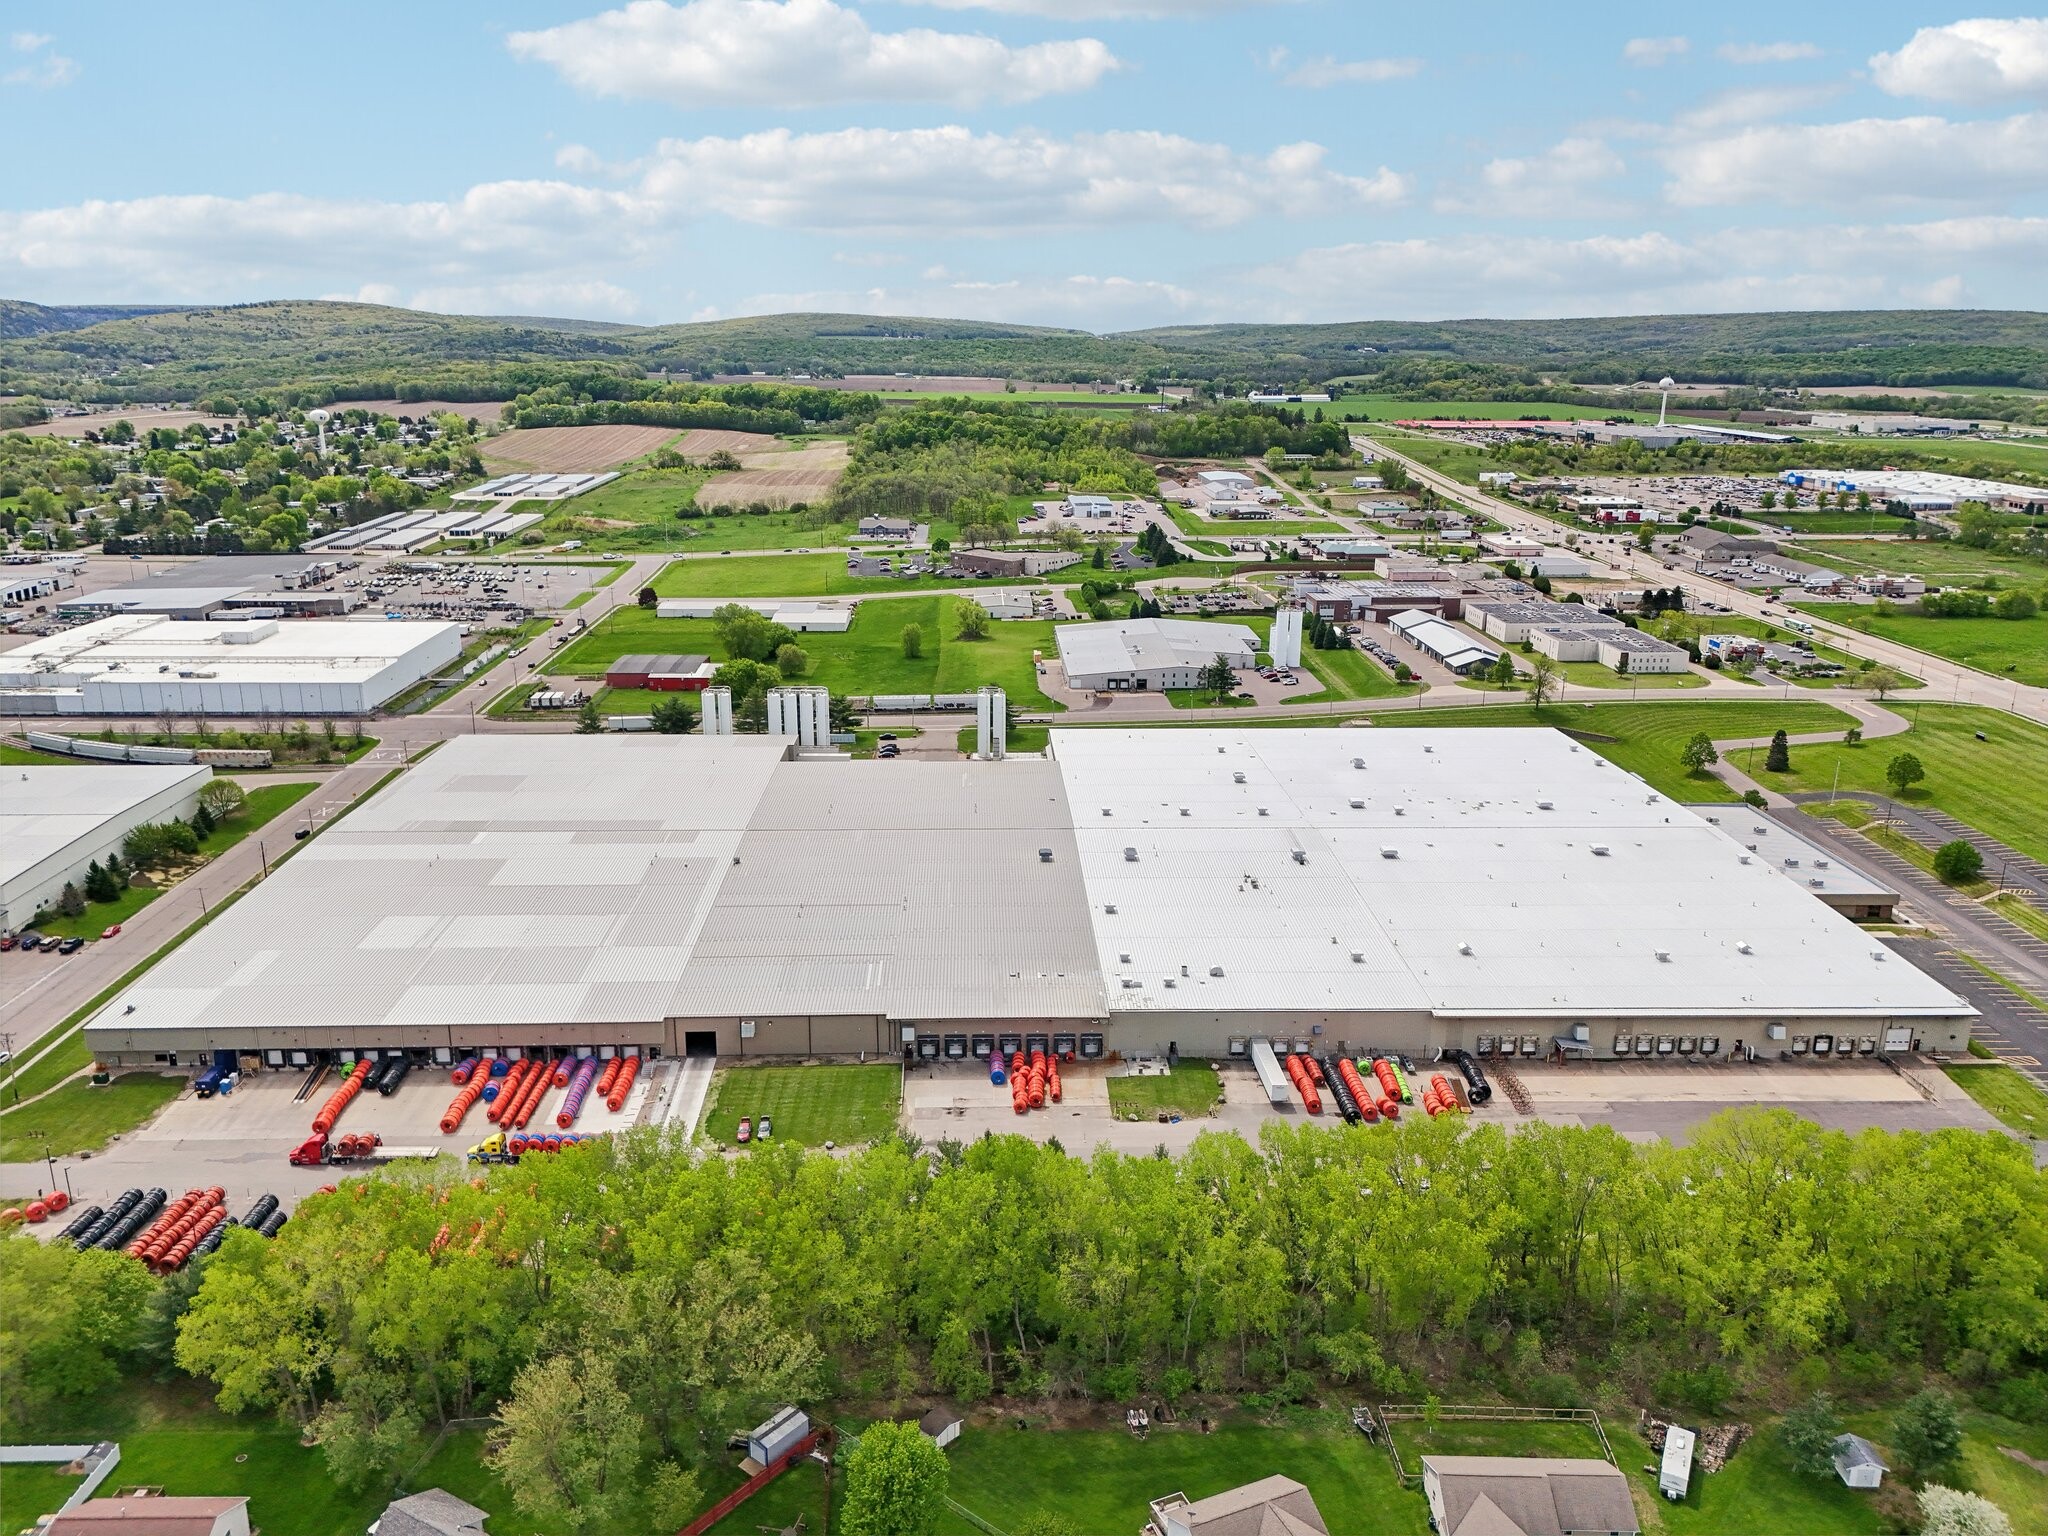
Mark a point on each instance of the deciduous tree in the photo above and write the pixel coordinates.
(896, 1482)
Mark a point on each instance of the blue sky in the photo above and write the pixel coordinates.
(1099, 163)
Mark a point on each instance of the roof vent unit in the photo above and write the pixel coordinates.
(1105, 810)
(1816, 882)
(1545, 805)
(1713, 821)
(1791, 863)
(1742, 947)
(1820, 863)
(1045, 855)
(1300, 857)
(1171, 982)
(1263, 811)
(1429, 749)
(1358, 957)
(1400, 810)
(1215, 970)
(1877, 954)
(1759, 831)
(1237, 778)
(1390, 853)
(1358, 762)
(1110, 908)
(1742, 858)
(1599, 850)
(1123, 959)
(1464, 946)
(1131, 983)
(1185, 811)
(1663, 956)
(1130, 855)
(1358, 805)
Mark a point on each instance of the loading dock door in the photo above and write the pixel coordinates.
(700, 1042)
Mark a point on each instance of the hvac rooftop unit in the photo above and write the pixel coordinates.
(1545, 805)
(1130, 855)
(1109, 907)
(1464, 946)
(1045, 855)
(1599, 850)
(1215, 970)
(1358, 957)
(1185, 811)
(1820, 863)
(1791, 863)
(1237, 778)
(1131, 983)
(1358, 762)
(1358, 805)
(1300, 857)
(1390, 853)
(1263, 811)
(1742, 947)
(1663, 956)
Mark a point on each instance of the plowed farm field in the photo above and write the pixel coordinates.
(567, 450)
(781, 479)
(699, 441)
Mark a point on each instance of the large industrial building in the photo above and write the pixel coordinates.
(56, 822)
(1131, 891)
(142, 664)
(1136, 655)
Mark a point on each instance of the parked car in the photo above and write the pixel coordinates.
(7, 942)
(51, 941)
(766, 1129)
(745, 1133)
(71, 946)
(30, 939)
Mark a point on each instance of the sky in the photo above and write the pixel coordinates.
(1104, 164)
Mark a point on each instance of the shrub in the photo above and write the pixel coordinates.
(1927, 1434)
(1958, 862)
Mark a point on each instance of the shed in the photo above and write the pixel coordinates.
(941, 1426)
(1858, 1463)
(666, 672)
(1674, 1475)
(779, 1436)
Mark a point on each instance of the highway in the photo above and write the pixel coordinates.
(1947, 681)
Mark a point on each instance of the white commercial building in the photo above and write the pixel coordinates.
(56, 821)
(808, 617)
(1458, 649)
(1124, 655)
(138, 664)
(1405, 889)
(1614, 646)
(1510, 619)
(1510, 546)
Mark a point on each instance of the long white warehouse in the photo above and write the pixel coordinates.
(1403, 889)
(141, 664)
(55, 822)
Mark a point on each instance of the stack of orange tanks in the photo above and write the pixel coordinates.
(508, 1092)
(622, 1085)
(1366, 1100)
(1389, 1087)
(331, 1110)
(1440, 1098)
(1299, 1072)
(166, 1243)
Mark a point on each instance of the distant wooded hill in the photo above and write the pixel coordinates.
(309, 351)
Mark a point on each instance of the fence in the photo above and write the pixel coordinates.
(750, 1487)
(1480, 1412)
(98, 1460)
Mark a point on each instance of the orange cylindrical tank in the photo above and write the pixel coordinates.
(616, 1099)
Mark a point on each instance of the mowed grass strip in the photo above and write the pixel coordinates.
(1998, 785)
(80, 1117)
(867, 659)
(2008, 648)
(811, 1105)
(1649, 737)
(2017, 1101)
(824, 576)
(1191, 1088)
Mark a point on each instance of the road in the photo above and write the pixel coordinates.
(1947, 680)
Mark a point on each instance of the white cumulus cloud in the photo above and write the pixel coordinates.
(1649, 52)
(1969, 61)
(798, 53)
(1869, 160)
(1767, 53)
(1103, 10)
(953, 180)
(1325, 70)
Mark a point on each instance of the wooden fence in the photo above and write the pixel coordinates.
(750, 1487)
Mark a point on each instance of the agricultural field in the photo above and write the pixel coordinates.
(867, 659)
(2008, 648)
(700, 441)
(1998, 785)
(1649, 737)
(482, 411)
(810, 1105)
(571, 450)
(793, 476)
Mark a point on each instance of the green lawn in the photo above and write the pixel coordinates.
(98, 916)
(2019, 1490)
(1919, 855)
(1494, 1437)
(1940, 561)
(2016, 1100)
(1203, 698)
(31, 1491)
(173, 1438)
(1248, 528)
(867, 659)
(1022, 739)
(79, 1117)
(1998, 785)
(645, 501)
(1192, 1088)
(817, 576)
(2021, 914)
(2009, 648)
(1590, 674)
(1100, 1481)
(1758, 1491)
(1650, 736)
(1678, 628)
(1346, 674)
(811, 1105)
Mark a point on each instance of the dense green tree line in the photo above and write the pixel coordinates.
(705, 1289)
(778, 408)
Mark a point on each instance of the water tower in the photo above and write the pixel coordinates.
(1664, 400)
(320, 420)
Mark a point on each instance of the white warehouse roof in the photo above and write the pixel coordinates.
(44, 810)
(142, 647)
(1138, 645)
(1655, 924)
